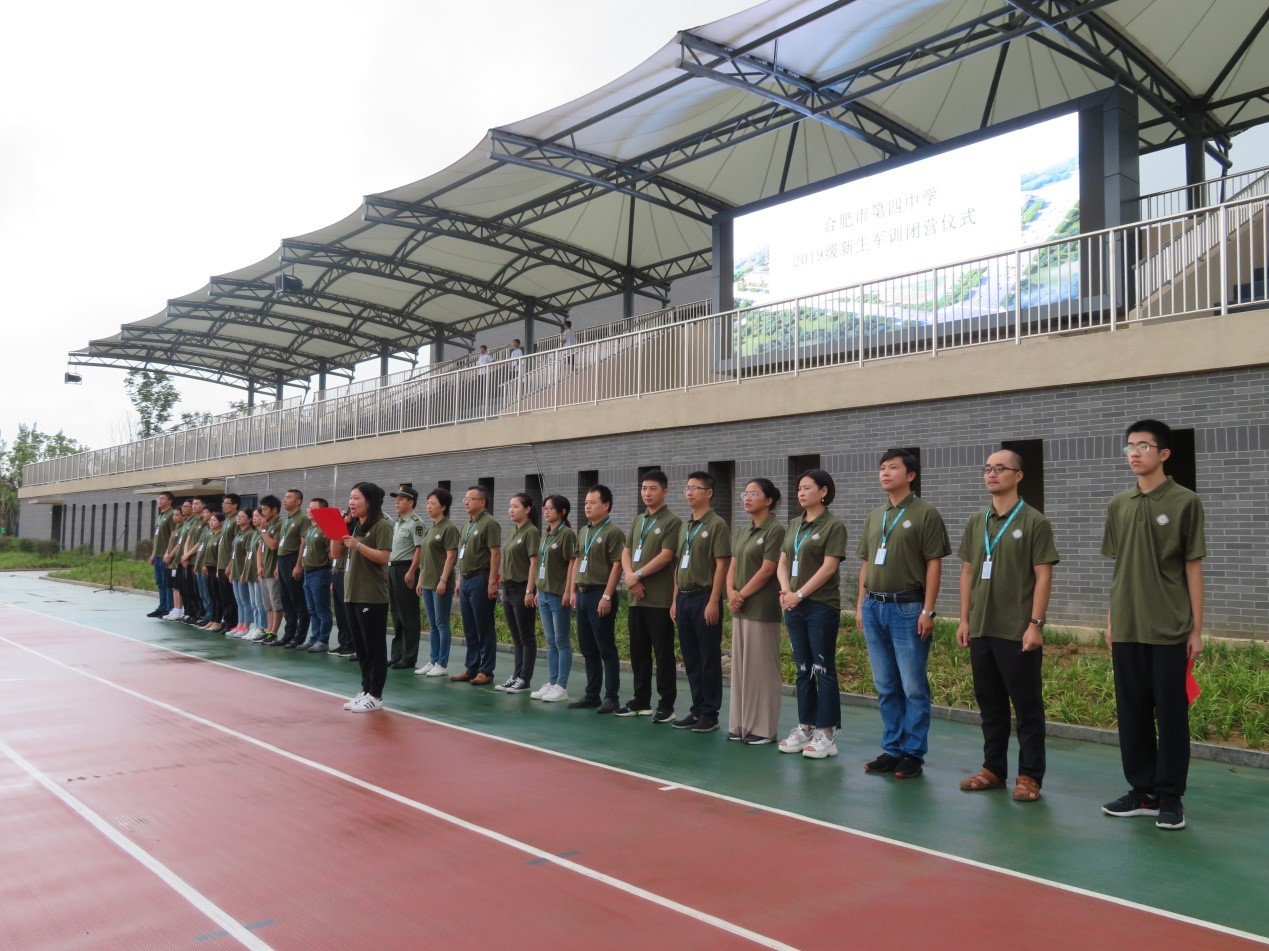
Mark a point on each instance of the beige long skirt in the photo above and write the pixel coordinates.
(755, 678)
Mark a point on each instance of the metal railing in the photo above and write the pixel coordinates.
(1215, 191)
(1193, 263)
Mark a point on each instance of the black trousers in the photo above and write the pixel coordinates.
(1150, 689)
(228, 604)
(702, 647)
(369, 626)
(523, 623)
(294, 607)
(188, 587)
(597, 637)
(652, 637)
(407, 623)
(212, 610)
(1004, 673)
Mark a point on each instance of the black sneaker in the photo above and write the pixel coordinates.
(734, 737)
(908, 767)
(608, 706)
(1171, 813)
(157, 612)
(1133, 803)
(663, 716)
(630, 710)
(705, 725)
(885, 763)
(687, 722)
(586, 703)
(753, 739)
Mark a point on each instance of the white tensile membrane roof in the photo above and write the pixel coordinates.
(618, 189)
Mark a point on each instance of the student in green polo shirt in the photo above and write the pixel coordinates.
(437, 577)
(648, 567)
(1154, 629)
(557, 563)
(294, 525)
(479, 574)
(230, 615)
(700, 581)
(901, 555)
(1007, 557)
(753, 593)
(162, 537)
(315, 560)
(366, 591)
(270, 586)
(600, 544)
(519, 584)
(810, 595)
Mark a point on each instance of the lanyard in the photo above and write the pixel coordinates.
(687, 542)
(471, 527)
(645, 526)
(885, 532)
(592, 533)
(799, 536)
(547, 537)
(991, 543)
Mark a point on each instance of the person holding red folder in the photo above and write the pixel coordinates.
(366, 589)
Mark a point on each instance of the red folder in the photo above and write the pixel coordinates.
(331, 522)
(1192, 688)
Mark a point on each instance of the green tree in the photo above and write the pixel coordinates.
(153, 394)
(31, 445)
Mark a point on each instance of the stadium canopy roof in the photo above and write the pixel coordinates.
(615, 192)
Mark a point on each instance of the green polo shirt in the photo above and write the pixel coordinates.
(177, 539)
(519, 547)
(269, 556)
(241, 546)
(1151, 535)
(199, 538)
(227, 536)
(366, 582)
(316, 548)
(163, 532)
(1000, 606)
(915, 535)
(211, 549)
(555, 551)
(649, 536)
(599, 547)
(293, 529)
(480, 536)
(441, 538)
(701, 543)
(809, 543)
(754, 545)
(408, 533)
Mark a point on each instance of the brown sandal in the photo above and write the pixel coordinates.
(1026, 789)
(983, 779)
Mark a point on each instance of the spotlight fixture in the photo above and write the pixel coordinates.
(75, 378)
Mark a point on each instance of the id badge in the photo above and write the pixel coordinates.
(461, 550)
(581, 565)
(793, 569)
(986, 571)
(542, 572)
(683, 562)
(880, 557)
(638, 553)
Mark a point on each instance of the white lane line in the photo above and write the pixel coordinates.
(620, 885)
(722, 797)
(183, 888)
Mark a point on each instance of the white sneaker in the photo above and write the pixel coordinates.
(541, 692)
(173, 615)
(797, 740)
(366, 704)
(821, 745)
(438, 671)
(422, 671)
(250, 634)
(556, 694)
(354, 701)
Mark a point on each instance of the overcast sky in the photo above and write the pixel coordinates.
(146, 146)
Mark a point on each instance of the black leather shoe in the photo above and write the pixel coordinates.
(156, 613)
(584, 704)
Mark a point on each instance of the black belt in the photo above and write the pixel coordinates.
(478, 571)
(899, 597)
(403, 561)
(591, 587)
(693, 592)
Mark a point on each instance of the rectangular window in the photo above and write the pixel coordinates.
(798, 465)
(533, 488)
(1031, 488)
(724, 502)
(444, 484)
(56, 533)
(585, 479)
(487, 483)
(92, 534)
(1181, 464)
(114, 527)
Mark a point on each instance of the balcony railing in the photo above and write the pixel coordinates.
(1188, 264)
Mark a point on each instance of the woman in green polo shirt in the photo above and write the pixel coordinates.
(810, 594)
(557, 563)
(436, 580)
(519, 585)
(207, 556)
(366, 591)
(753, 592)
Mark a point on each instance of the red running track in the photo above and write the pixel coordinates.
(315, 828)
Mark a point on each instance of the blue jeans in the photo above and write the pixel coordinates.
(556, 620)
(813, 631)
(200, 580)
(161, 582)
(438, 608)
(478, 624)
(898, 659)
(317, 599)
(242, 597)
(257, 605)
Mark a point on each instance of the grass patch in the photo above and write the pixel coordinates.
(128, 573)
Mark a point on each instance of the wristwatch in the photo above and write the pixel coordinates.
(639, 573)
(1038, 622)
(930, 614)
(605, 597)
